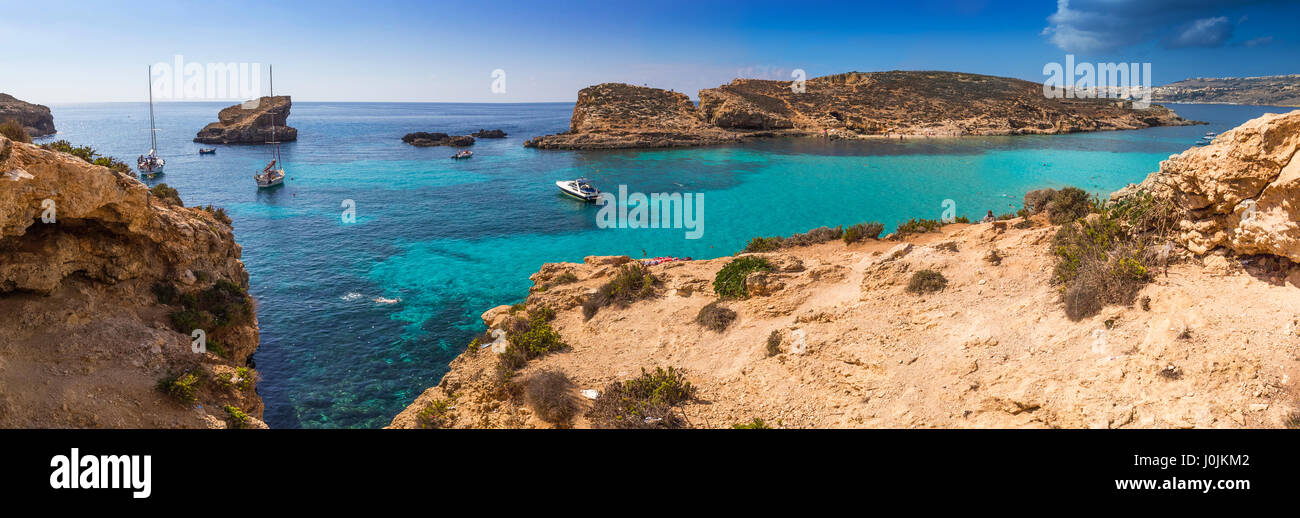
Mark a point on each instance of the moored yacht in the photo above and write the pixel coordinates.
(580, 189)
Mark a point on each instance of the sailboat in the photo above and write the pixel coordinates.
(273, 174)
(151, 165)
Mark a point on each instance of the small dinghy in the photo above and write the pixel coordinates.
(207, 151)
(580, 189)
(464, 153)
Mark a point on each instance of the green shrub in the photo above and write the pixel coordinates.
(663, 386)
(756, 424)
(631, 283)
(238, 419)
(183, 388)
(550, 395)
(764, 244)
(167, 194)
(436, 415)
(14, 131)
(917, 226)
(927, 281)
(245, 376)
(1107, 258)
(166, 292)
(529, 339)
(89, 155)
(715, 316)
(862, 231)
(774, 343)
(730, 280)
(644, 402)
(1068, 204)
(812, 237)
(561, 279)
(218, 214)
(1035, 201)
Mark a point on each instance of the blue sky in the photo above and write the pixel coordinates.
(446, 51)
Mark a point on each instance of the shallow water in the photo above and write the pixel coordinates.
(357, 319)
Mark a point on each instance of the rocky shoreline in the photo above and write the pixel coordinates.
(434, 139)
(853, 105)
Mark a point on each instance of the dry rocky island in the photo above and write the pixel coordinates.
(250, 123)
(1174, 304)
(852, 105)
(102, 283)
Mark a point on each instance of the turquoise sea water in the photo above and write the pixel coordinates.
(451, 239)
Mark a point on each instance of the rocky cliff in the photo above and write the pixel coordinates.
(36, 119)
(853, 105)
(1242, 191)
(250, 123)
(102, 284)
(615, 115)
(835, 336)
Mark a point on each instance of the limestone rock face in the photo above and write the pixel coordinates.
(36, 119)
(250, 123)
(84, 338)
(616, 115)
(916, 103)
(1241, 192)
(852, 105)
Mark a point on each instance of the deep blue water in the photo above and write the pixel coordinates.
(451, 239)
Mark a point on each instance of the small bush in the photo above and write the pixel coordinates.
(715, 316)
(917, 226)
(167, 194)
(564, 278)
(238, 418)
(927, 281)
(730, 280)
(774, 343)
(764, 244)
(1107, 258)
(1036, 201)
(550, 395)
(863, 231)
(218, 214)
(183, 388)
(813, 237)
(633, 282)
(666, 386)
(643, 402)
(436, 415)
(756, 424)
(1068, 204)
(166, 292)
(14, 131)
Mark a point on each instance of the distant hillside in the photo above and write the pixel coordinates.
(1265, 90)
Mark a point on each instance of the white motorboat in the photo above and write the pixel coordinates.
(464, 153)
(580, 189)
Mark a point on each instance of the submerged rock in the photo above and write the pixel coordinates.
(250, 123)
